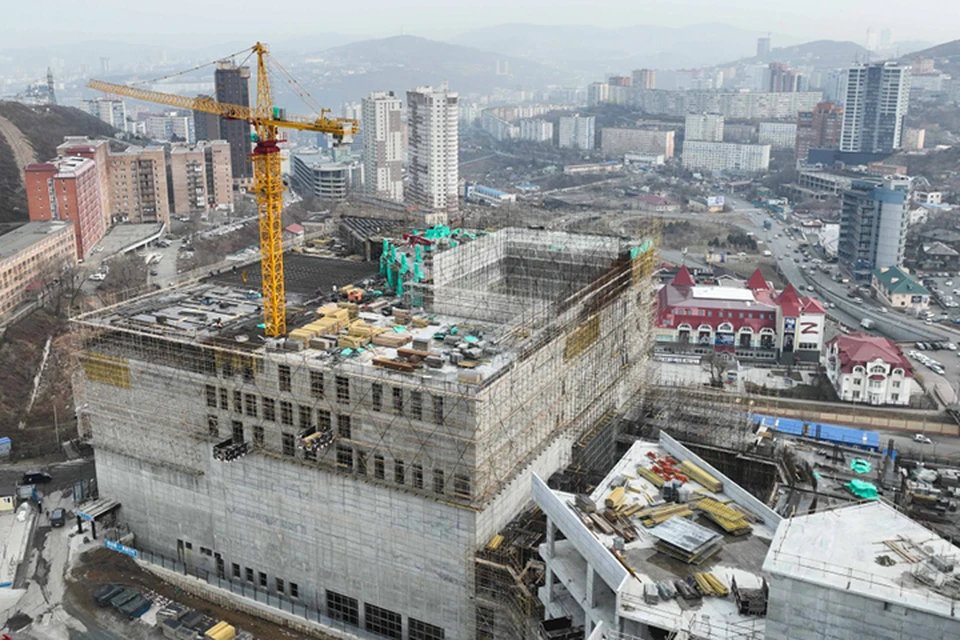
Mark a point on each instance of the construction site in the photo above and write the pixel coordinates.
(374, 464)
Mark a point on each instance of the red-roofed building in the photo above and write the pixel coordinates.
(868, 369)
(752, 321)
(294, 234)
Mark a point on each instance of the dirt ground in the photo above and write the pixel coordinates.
(102, 566)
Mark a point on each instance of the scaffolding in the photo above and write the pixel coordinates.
(553, 335)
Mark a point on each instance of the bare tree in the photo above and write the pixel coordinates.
(716, 365)
(127, 278)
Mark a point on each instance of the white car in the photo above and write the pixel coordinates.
(98, 277)
(951, 346)
(922, 439)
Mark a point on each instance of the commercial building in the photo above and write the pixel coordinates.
(113, 112)
(818, 129)
(201, 177)
(742, 105)
(382, 146)
(487, 195)
(233, 87)
(577, 132)
(618, 142)
(138, 185)
(607, 579)
(726, 156)
(319, 177)
(703, 126)
(383, 477)
(67, 189)
(873, 225)
(837, 586)
(432, 154)
(763, 46)
(896, 288)
(31, 257)
(877, 96)
(752, 321)
(779, 135)
(645, 78)
(98, 151)
(536, 130)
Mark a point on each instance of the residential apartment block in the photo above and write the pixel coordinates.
(138, 183)
(819, 128)
(875, 104)
(873, 225)
(779, 135)
(98, 151)
(617, 142)
(382, 146)
(201, 177)
(432, 154)
(30, 257)
(703, 126)
(726, 156)
(67, 189)
(536, 130)
(577, 132)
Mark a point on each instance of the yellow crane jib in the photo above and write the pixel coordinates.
(266, 119)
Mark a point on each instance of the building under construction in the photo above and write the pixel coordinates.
(364, 465)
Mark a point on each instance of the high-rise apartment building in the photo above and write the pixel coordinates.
(382, 146)
(779, 135)
(233, 87)
(619, 81)
(645, 78)
(876, 100)
(818, 129)
(201, 177)
(703, 126)
(67, 189)
(98, 151)
(873, 225)
(206, 125)
(781, 78)
(171, 127)
(113, 112)
(432, 154)
(138, 182)
(577, 132)
(763, 46)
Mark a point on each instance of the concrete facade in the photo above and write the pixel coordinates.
(425, 467)
(138, 181)
(201, 177)
(618, 142)
(382, 146)
(433, 168)
(67, 189)
(703, 126)
(98, 151)
(577, 132)
(725, 156)
(35, 250)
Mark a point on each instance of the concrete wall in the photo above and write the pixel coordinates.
(802, 611)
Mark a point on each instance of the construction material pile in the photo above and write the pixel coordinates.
(686, 541)
(730, 520)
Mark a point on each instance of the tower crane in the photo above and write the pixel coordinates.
(266, 120)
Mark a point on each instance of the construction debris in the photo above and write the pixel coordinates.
(686, 541)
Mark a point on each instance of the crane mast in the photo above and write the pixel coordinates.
(268, 181)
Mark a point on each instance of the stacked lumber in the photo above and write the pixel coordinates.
(730, 520)
(652, 516)
(391, 339)
(702, 477)
(710, 585)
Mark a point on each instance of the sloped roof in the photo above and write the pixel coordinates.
(857, 349)
(789, 302)
(294, 228)
(757, 281)
(683, 278)
(896, 280)
(939, 249)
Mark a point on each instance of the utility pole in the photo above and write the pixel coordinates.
(56, 426)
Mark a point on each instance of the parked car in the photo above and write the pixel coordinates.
(922, 439)
(58, 517)
(36, 477)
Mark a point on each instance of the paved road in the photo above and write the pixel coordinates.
(65, 474)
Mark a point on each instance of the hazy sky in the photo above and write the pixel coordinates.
(179, 22)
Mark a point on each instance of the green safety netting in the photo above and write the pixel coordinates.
(862, 489)
(860, 466)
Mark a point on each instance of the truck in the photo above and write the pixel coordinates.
(867, 323)
(768, 224)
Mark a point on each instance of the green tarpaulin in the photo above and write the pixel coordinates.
(862, 489)
(860, 466)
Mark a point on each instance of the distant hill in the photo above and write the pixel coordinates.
(349, 72)
(946, 50)
(819, 53)
(44, 127)
(594, 51)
